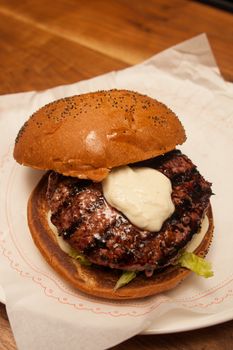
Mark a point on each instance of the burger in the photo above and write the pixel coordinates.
(120, 213)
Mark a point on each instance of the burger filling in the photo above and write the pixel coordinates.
(106, 237)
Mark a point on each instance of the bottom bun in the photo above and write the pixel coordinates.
(94, 280)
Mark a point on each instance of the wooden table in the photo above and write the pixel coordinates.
(48, 43)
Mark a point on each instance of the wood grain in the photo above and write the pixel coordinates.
(45, 43)
(6, 338)
(59, 43)
(37, 59)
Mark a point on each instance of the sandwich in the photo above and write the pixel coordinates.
(120, 212)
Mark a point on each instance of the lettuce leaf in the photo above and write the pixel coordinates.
(126, 277)
(80, 257)
(196, 264)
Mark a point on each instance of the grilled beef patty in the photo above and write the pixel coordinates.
(106, 237)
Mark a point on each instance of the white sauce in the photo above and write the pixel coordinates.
(143, 195)
(198, 237)
(62, 244)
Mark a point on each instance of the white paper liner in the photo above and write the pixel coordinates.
(44, 311)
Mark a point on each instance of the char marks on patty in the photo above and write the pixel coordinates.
(91, 226)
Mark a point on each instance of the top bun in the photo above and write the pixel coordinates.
(87, 135)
